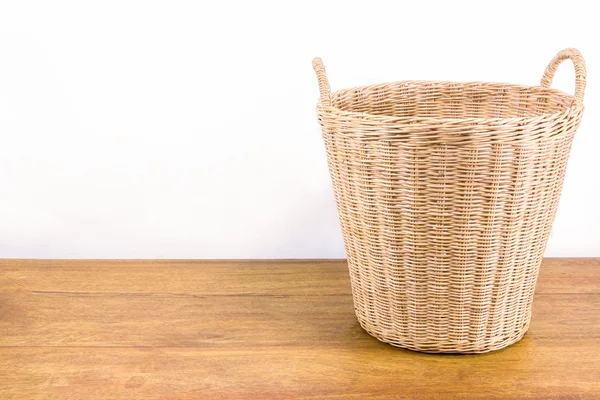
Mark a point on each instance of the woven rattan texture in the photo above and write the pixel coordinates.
(446, 194)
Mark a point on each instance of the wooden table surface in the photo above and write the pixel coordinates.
(265, 330)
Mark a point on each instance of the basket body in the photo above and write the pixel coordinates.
(446, 194)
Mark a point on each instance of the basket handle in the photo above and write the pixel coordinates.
(575, 56)
(324, 87)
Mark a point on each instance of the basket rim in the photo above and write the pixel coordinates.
(576, 107)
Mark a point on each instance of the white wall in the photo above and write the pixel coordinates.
(187, 129)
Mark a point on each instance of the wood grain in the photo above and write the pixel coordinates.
(265, 329)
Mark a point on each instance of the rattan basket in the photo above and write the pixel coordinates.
(446, 194)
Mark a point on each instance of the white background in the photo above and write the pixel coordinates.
(187, 129)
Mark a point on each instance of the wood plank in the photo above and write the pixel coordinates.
(261, 277)
(82, 319)
(199, 277)
(569, 275)
(51, 319)
(532, 371)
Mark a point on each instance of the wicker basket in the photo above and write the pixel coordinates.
(446, 194)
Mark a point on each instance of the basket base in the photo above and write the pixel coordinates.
(439, 347)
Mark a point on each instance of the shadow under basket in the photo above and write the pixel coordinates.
(446, 194)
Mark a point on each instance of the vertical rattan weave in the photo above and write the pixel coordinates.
(446, 194)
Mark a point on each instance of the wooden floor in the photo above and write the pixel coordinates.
(265, 330)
